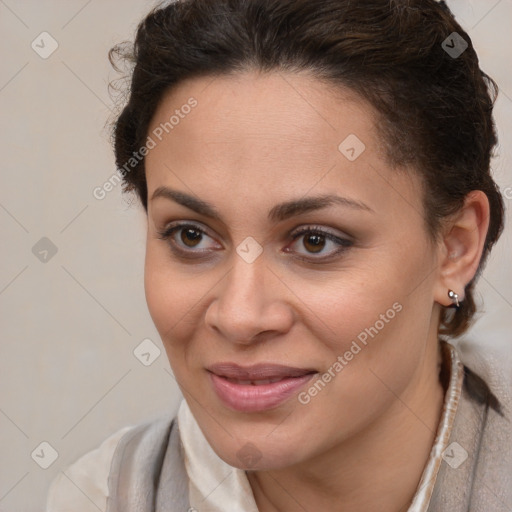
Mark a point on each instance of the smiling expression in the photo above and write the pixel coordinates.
(267, 245)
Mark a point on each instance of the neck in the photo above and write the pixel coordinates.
(378, 469)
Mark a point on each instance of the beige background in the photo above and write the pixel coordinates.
(68, 375)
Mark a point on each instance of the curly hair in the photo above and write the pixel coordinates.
(434, 106)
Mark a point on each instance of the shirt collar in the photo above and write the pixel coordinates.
(453, 367)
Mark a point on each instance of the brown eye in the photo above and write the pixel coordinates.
(190, 237)
(188, 240)
(314, 243)
(317, 241)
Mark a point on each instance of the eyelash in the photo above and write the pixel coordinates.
(343, 243)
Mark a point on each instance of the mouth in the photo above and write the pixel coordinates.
(259, 387)
(259, 382)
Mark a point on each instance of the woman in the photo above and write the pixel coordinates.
(319, 203)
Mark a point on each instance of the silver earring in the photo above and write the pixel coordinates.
(454, 297)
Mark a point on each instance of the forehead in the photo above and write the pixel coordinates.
(267, 133)
(274, 109)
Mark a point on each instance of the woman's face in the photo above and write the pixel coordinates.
(291, 322)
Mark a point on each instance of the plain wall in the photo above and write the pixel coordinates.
(69, 325)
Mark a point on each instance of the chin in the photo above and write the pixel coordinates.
(252, 454)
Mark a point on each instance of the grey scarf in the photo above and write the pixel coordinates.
(148, 472)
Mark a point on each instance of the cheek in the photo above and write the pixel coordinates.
(169, 294)
(372, 323)
(355, 304)
(369, 356)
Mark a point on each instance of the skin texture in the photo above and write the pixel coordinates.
(255, 140)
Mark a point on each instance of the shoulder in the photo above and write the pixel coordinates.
(83, 486)
(487, 387)
(487, 372)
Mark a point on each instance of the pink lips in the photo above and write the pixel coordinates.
(258, 387)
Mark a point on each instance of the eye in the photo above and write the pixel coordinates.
(186, 239)
(316, 239)
(189, 241)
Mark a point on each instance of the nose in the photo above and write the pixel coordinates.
(250, 304)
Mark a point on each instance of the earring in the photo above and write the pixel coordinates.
(454, 297)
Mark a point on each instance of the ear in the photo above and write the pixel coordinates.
(461, 247)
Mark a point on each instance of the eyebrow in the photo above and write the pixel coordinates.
(278, 213)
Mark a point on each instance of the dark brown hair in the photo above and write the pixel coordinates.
(435, 106)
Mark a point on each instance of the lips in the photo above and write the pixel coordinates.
(258, 373)
(258, 387)
(255, 382)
